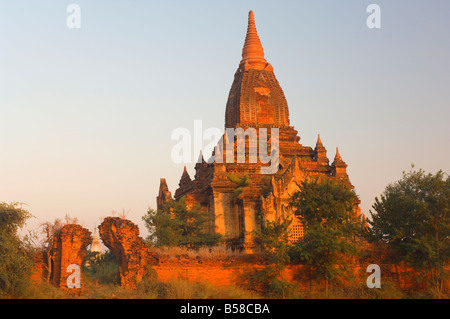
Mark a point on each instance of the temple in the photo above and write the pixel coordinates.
(96, 246)
(236, 193)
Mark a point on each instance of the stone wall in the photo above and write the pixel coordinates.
(236, 272)
(121, 236)
(39, 271)
(219, 273)
(70, 248)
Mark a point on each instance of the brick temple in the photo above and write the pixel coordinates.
(256, 100)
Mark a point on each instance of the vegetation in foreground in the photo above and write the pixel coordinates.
(183, 289)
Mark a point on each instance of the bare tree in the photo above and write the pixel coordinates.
(50, 231)
(122, 215)
(70, 220)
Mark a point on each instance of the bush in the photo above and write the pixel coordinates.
(274, 241)
(413, 218)
(102, 268)
(16, 253)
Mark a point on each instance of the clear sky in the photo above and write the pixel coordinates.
(86, 114)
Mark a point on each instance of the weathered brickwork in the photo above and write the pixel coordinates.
(256, 101)
(121, 236)
(70, 249)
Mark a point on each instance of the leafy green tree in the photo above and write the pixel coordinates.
(165, 229)
(179, 225)
(413, 218)
(326, 209)
(16, 260)
(274, 240)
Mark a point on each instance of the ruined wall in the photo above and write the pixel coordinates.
(236, 272)
(220, 272)
(121, 236)
(70, 248)
(223, 273)
(39, 271)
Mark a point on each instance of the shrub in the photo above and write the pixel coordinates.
(15, 252)
(102, 268)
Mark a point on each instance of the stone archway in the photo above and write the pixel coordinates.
(121, 236)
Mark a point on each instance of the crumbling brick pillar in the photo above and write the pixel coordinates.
(121, 236)
(70, 249)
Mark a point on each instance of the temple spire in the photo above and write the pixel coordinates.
(338, 167)
(200, 158)
(319, 141)
(185, 176)
(338, 156)
(164, 195)
(253, 53)
(320, 152)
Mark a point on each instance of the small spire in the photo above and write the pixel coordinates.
(163, 184)
(338, 167)
(185, 178)
(185, 173)
(320, 152)
(185, 184)
(200, 159)
(338, 156)
(164, 195)
(338, 159)
(319, 145)
(253, 52)
(319, 141)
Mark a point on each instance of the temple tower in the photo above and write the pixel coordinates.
(255, 96)
(256, 101)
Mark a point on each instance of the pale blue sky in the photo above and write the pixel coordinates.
(86, 114)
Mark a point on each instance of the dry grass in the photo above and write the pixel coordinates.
(175, 289)
(185, 289)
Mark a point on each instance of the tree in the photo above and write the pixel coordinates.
(50, 230)
(273, 238)
(177, 224)
(326, 208)
(16, 259)
(412, 217)
(165, 229)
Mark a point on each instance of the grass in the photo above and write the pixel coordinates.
(184, 289)
(387, 291)
(175, 289)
